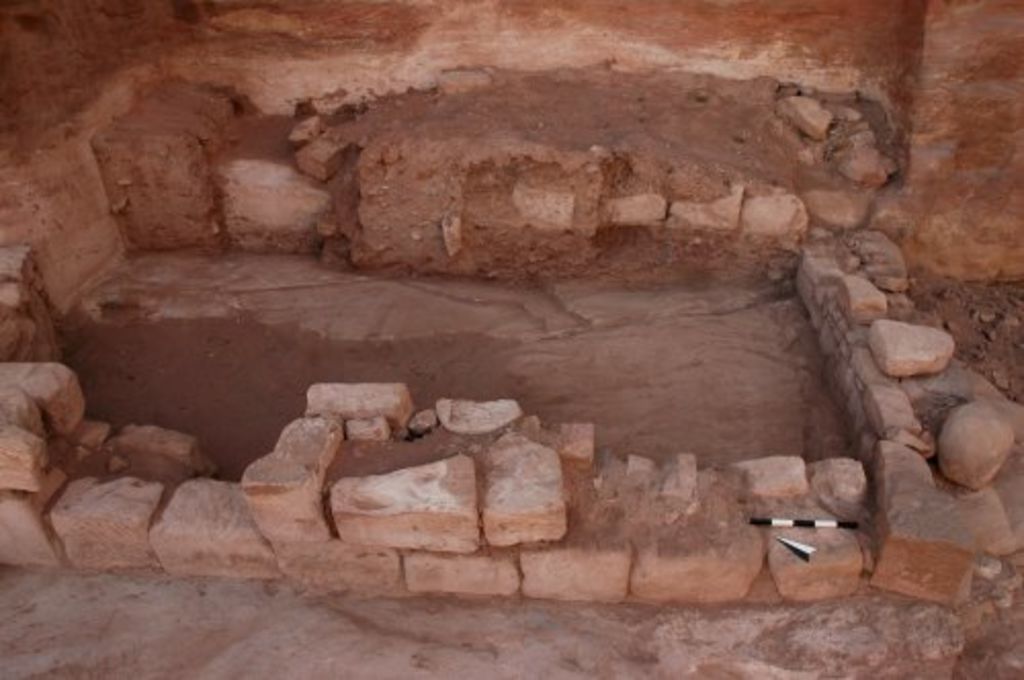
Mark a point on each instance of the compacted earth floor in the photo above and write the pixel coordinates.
(225, 347)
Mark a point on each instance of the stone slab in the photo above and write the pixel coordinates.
(774, 476)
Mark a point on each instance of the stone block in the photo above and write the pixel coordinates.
(903, 350)
(207, 530)
(833, 570)
(480, 574)
(305, 131)
(160, 454)
(840, 486)
(25, 538)
(986, 519)
(807, 115)
(882, 261)
(1009, 484)
(105, 525)
(777, 214)
(774, 477)
(92, 434)
(862, 302)
(335, 566)
(866, 166)
(374, 429)
(838, 209)
(23, 456)
(545, 209)
(423, 422)
(523, 493)
(321, 158)
(429, 507)
(862, 361)
(637, 211)
(722, 214)
(351, 401)
(595, 574)
(477, 417)
(974, 444)
(18, 409)
(55, 389)
(285, 489)
(888, 410)
(575, 443)
(679, 482)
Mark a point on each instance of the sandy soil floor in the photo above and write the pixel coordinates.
(224, 348)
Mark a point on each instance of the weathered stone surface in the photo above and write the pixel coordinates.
(160, 454)
(777, 215)
(461, 574)
(862, 302)
(575, 443)
(477, 417)
(866, 166)
(305, 131)
(429, 507)
(523, 496)
(807, 115)
(833, 571)
(22, 458)
(374, 429)
(839, 485)
(598, 574)
(679, 481)
(321, 158)
(838, 209)
(105, 525)
(423, 422)
(54, 388)
(974, 444)
(25, 540)
(285, 488)
(774, 477)
(985, 517)
(207, 530)
(903, 350)
(336, 566)
(269, 207)
(722, 214)
(18, 409)
(639, 210)
(458, 81)
(361, 400)
(925, 549)
(888, 409)
(545, 208)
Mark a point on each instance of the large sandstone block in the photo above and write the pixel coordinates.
(25, 538)
(22, 458)
(105, 525)
(903, 350)
(160, 454)
(722, 214)
(429, 507)
(774, 476)
(477, 417)
(335, 566)
(974, 444)
(207, 530)
(361, 400)
(925, 549)
(461, 574)
(55, 389)
(833, 571)
(18, 409)
(599, 574)
(523, 493)
(285, 488)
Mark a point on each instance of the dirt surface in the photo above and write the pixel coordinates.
(225, 348)
(987, 322)
(141, 626)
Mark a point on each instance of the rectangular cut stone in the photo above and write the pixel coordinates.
(429, 507)
(335, 566)
(719, 215)
(361, 400)
(577, 573)
(105, 525)
(285, 489)
(55, 389)
(544, 208)
(374, 429)
(888, 410)
(158, 453)
(925, 549)
(833, 571)
(207, 530)
(22, 458)
(639, 210)
(575, 443)
(903, 350)
(25, 540)
(774, 476)
(862, 302)
(461, 574)
(523, 495)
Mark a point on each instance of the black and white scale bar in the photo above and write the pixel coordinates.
(801, 550)
(806, 523)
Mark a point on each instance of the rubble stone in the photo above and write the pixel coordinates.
(599, 574)
(774, 477)
(429, 507)
(838, 209)
(92, 434)
(18, 409)
(461, 574)
(640, 210)
(833, 571)
(321, 158)
(423, 422)
(679, 481)
(974, 444)
(55, 389)
(336, 566)
(160, 454)
(285, 488)
(207, 530)
(862, 302)
(986, 519)
(477, 417)
(105, 525)
(305, 131)
(350, 401)
(575, 443)
(722, 214)
(777, 215)
(523, 495)
(807, 115)
(22, 458)
(866, 166)
(25, 540)
(840, 486)
(882, 260)
(903, 350)
(374, 429)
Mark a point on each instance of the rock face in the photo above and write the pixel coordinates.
(105, 525)
(833, 571)
(285, 488)
(461, 574)
(429, 507)
(54, 388)
(160, 454)
(361, 400)
(774, 477)
(576, 573)
(807, 115)
(25, 539)
(335, 566)
(640, 210)
(974, 443)
(477, 417)
(903, 350)
(523, 495)
(207, 530)
(22, 458)
(777, 214)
